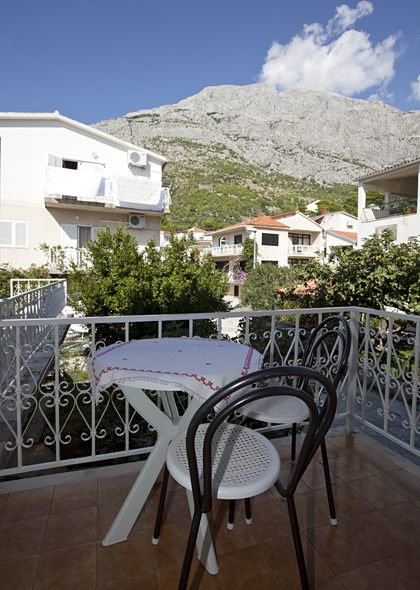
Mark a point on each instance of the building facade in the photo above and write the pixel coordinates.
(397, 207)
(62, 181)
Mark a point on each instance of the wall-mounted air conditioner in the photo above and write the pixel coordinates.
(136, 221)
(137, 158)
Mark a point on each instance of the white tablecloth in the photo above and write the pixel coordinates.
(198, 366)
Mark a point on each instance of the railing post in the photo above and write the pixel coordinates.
(352, 372)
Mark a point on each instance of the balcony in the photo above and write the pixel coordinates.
(88, 186)
(52, 524)
(301, 250)
(227, 250)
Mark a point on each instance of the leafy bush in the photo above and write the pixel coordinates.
(119, 280)
(7, 273)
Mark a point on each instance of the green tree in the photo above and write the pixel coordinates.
(248, 253)
(260, 290)
(118, 280)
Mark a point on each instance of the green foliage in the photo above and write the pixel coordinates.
(118, 280)
(248, 246)
(260, 288)
(7, 273)
(378, 274)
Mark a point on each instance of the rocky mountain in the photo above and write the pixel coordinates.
(255, 150)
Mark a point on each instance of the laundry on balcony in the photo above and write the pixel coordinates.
(144, 193)
(86, 183)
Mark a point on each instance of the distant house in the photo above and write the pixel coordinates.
(290, 238)
(338, 229)
(396, 207)
(199, 236)
(61, 181)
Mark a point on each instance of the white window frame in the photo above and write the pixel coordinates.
(13, 242)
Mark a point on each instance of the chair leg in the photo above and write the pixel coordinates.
(327, 475)
(189, 551)
(231, 518)
(248, 511)
(298, 543)
(163, 490)
(293, 451)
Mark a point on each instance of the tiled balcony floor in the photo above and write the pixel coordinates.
(50, 537)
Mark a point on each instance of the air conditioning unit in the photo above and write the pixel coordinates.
(137, 158)
(136, 221)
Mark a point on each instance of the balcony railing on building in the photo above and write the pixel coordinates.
(396, 206)
(226, 250)
(60, 420)
(89, 183)
(301, 250)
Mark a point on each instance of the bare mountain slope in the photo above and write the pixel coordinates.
(301, 133)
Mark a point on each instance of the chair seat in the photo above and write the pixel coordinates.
(245, 463)
(277, 410)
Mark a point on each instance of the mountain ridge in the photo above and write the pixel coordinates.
(295, 144)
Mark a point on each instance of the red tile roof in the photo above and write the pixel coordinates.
(351, 235)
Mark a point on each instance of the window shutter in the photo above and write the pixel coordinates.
(6, 233)
(21, 234)
(69, 235)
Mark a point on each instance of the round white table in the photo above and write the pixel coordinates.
(197, 366)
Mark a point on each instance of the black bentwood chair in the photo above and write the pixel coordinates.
(230, 461)
(327, 350)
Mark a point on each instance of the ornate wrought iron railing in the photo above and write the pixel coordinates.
(58, 419)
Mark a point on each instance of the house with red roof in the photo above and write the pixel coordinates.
(282, 240)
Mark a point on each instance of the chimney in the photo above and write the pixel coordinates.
(324, 211)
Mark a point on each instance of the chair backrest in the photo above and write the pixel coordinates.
(257, 385)
(328, 348)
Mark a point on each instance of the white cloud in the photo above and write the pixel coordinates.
(333, 58)
(415, 89)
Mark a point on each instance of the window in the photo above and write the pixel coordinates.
(270, 262)
(236, 290)
(300, 239)
(270, 240)
(13, 234)
(392, 228)
(71, 164)
(222, 241)
(237, 239)
(222, 265)
(293, 261)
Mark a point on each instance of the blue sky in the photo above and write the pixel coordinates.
(99, 59)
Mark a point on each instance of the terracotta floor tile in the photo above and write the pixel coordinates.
(21, 538)
(239, 571)
(348, 502)
(124, 561)
(405, 566)
(269, 520)
(314, 476)
(67, 569)
(148, 582)
(115, 489)
(376, 492)
(373, 575)
(176, 508)
(106, 515)
(402, 481)
(169, 553)
(199, 579)
(350, 443)
(73, 527)
(27, 504)
(330, 584)
(18, 575)
(347, 469)
(406, 517)
(280, 554)
(375, 460)
(75, 495)
(3, 499)
(230, 540)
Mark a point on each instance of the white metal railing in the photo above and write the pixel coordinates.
(301, 250)
(228, 250)
(43, 302)
(18, 286)
(380, 391)
(62, 258)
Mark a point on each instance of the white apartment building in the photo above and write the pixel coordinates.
(338, 229)
(398, 207)
(282, 240)
(61, 181)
